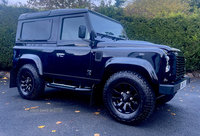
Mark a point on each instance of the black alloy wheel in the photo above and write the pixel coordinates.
(26, 82)
(125, 98)
(30, 84)
(129, 97)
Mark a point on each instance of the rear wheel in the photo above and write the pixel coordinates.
(29, 83)
(128, 97)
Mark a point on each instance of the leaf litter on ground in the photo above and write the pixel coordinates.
(41, 126)
(96, 113)
(58, 122)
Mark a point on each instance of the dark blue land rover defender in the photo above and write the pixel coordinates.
(82, 50)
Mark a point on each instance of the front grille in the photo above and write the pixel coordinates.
(180, 66)
(177, 67)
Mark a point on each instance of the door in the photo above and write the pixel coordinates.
(72, 53)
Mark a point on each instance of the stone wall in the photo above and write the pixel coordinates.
(193, 74)
(4, 74)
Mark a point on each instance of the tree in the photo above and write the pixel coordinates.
(59, 4)
(110, 11)
(119, 3)
(195, 3)
(152, 8)
(5, 2)
(8, 26)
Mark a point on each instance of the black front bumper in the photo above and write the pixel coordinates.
(173, 87)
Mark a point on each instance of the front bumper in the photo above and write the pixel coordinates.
(173, 87)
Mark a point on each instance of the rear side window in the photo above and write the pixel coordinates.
(36, 30)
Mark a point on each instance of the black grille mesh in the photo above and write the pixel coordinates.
(180, 67)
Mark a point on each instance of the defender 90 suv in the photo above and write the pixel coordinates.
(82, 50)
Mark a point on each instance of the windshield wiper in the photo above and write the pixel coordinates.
(122, 36)
(105, 35)
(109, 36)
(109, 33)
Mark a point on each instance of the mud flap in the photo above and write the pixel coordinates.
(13, 79)
(96, 96)
(92, 97)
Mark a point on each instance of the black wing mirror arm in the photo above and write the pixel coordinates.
(93, 35)
(92, 38)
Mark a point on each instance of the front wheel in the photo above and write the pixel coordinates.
(128, 97)
(29, 83)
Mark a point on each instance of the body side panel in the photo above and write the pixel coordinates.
(150, 59)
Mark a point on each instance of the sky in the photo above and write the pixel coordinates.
(15, 1)
(25, 1)
(10, 2)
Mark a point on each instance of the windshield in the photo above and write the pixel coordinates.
(108, 27)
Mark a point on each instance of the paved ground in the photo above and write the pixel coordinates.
(20, 117)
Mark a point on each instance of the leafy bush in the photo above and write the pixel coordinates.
(5, 57)
(153, 8)
(8, 27)
(177, 30)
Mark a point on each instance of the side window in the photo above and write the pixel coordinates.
(36, 30)
(70, 28)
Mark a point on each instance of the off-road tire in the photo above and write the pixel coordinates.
(30, 84)
(136, 88)
(165, 99)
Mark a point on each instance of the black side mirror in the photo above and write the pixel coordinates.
(81, 31)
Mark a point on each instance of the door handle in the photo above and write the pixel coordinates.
(60, 55)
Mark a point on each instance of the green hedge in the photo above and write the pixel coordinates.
(177, 31)
(5, 57)
(8, 26)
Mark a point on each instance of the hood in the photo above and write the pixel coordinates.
(130, 43)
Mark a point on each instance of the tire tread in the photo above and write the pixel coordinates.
(150, 100)
(39, 85)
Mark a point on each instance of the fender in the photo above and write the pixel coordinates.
(36, 59)
(141, 63)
